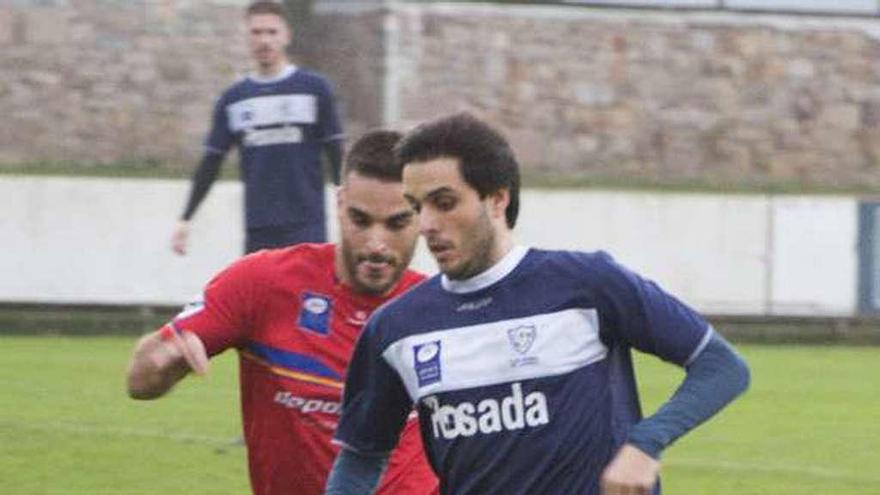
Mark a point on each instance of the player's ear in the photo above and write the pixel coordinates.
(340, 197)
(498, 201)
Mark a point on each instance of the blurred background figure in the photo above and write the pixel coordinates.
(281, 118)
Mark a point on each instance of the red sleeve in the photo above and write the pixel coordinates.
(224, 315)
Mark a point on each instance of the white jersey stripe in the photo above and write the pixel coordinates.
(272, 110)
(497, 352)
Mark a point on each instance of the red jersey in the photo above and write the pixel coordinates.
(294, 326)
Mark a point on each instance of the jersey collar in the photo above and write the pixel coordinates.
(498, 271)
(286, 72)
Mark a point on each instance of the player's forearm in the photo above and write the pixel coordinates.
(203, 178)
(355, 474)
(334, 152)
(716, 377)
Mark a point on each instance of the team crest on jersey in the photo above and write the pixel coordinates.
(314, 314)
(522, 337)
(426, 359)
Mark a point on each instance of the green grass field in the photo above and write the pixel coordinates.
(809, 425)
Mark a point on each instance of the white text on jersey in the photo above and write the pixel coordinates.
(513, 412)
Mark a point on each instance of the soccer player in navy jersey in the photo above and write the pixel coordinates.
(281, 119)
(518, 360)
(293, 315)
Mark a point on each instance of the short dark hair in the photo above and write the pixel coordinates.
(485, 159)
(267, 7)
(373, 156)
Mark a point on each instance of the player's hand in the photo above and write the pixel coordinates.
(631, 472)
(186, 345)
(179, 237)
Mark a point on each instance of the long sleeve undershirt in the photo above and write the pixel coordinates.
(203, 179)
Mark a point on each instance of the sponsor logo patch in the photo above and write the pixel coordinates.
(314, 314)
(305, 405)
(426, 359)
(515, 411)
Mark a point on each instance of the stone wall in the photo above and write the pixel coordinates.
(710, 97)
(667, 96)
(99, 81)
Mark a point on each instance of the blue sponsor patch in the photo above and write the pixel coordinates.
(426, 358)
(314, 314)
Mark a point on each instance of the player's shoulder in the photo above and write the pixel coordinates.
(236, 90)
(590, 268)
(311, 254)
(410, 279)
(417, 298)
(593, 261)
(313, 80)
(275, 260)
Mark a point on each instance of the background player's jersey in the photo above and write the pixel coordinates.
(522, 376)
(294, 326)
(280, 127)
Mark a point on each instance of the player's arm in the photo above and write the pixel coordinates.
(354, 473)
(202, 180)
(330, 130)
(334, 152)
(375, 407)
(640, 314)
(161, 359)
(218, 142)
(715, 377)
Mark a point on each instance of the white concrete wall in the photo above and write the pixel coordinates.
(107, 241)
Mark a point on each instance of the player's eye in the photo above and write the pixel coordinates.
(399, 223)
(359, 219)
(445, 203)
(415, 205)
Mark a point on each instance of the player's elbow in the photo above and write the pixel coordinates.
(742, 375)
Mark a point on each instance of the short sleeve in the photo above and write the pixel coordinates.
(375, 403)
(220, 138)
(637, 312)
(328, 116)
(223, 316)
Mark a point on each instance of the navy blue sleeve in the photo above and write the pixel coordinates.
(637, 312)
(202, 180)
(714, 378)
(375, 403)
(355, 474)
(333, 150)
(328, 118)
(221, 138)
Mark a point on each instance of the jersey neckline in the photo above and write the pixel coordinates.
(482, 280)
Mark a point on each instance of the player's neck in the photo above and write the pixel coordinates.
(274, 70)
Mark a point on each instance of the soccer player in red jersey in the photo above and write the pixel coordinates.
(293, 315)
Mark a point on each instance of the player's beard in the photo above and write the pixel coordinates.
(475, 249)
(366, 285)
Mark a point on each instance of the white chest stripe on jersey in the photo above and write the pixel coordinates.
(272, 110)
(497, 352)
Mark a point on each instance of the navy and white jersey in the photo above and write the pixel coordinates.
(522, 376)
(280, 126)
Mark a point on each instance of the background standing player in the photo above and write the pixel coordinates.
(281, 119)
(518, 359)
(293, 315)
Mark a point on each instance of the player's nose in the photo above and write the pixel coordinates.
(377, 241)
(428, 221)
